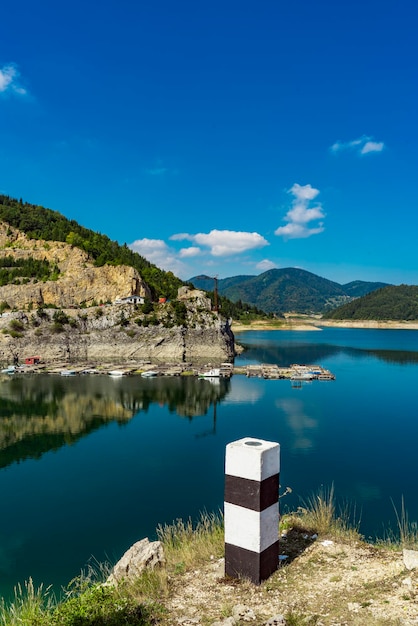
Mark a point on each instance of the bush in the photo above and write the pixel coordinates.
(17, 325)
(57, 327)
(60, 317)
(147, 307)
(99, 606)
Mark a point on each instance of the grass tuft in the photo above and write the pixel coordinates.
(30, 605)
(187, 545)
(318, 514)
(406, 535)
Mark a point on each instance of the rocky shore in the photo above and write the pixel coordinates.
(115, 334)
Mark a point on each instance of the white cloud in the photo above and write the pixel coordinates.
(265, 265)
(181, 237)
(189, 252)
(9, 80)
(301, 214)
(157, 252)
(225, 242)
(303, 192)
(372, 146)
(363, 145)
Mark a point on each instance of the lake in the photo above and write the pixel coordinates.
(91, 464)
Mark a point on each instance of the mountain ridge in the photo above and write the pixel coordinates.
(287, 289)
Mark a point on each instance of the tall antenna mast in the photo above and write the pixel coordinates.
(215, 294)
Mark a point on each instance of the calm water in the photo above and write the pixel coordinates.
(89, 465)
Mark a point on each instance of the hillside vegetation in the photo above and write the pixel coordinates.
(389, 303)
(285, 290)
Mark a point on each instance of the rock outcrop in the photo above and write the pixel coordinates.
(111, 333)
(142, 555)
(79, 281)
(107, 333)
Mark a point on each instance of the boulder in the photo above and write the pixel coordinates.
(410, 559)
(142, 555)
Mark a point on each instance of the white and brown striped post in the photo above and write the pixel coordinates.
(251, 513)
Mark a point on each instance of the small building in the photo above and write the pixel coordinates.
(32, 360)
(130, 300)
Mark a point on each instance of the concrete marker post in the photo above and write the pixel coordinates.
(251, 509)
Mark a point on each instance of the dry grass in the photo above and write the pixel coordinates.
(29, 606)
(319, 515)
(187, 545)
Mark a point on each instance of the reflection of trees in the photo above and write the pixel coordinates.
(41, 413)
(284, 354)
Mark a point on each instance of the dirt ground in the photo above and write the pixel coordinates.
(320, 582)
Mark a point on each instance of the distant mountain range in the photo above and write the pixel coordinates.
(287, 290)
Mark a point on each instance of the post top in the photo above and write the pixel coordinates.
(252, 458)
(253, 443)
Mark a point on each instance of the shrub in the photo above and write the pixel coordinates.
(99, 605)
(180, 313)
(147, 307)
(57, 327)
(60, 317)
(15, 334)
(17, 325)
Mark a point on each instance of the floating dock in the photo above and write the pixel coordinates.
(292, 372)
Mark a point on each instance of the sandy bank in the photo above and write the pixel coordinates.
(318, 324)
(271, 325)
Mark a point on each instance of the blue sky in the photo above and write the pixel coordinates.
(221, 138)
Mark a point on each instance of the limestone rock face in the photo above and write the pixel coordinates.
(103, 334)
(79, 282)
(100, 333)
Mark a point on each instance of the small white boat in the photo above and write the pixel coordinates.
(11, 369)
(213, 373)
(67, 373)
(149, 374)
(302, 376)
(214, 380)
(117, 373)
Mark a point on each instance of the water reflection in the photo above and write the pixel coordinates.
(42, 412)
(284, 355)
(301, 425)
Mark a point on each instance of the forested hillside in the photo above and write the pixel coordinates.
(358, 288)
(389, 303)
(286, 290)
(38, 222)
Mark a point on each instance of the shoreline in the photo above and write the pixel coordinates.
(315, 324)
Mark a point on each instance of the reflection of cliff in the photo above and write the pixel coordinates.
(41, 413)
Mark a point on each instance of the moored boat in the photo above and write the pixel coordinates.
(212, 373)
(117, 373)
(67, 373)
(149, 374)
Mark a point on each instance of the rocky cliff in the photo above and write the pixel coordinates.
(112, 336)
(79, 282)
(60, 320)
